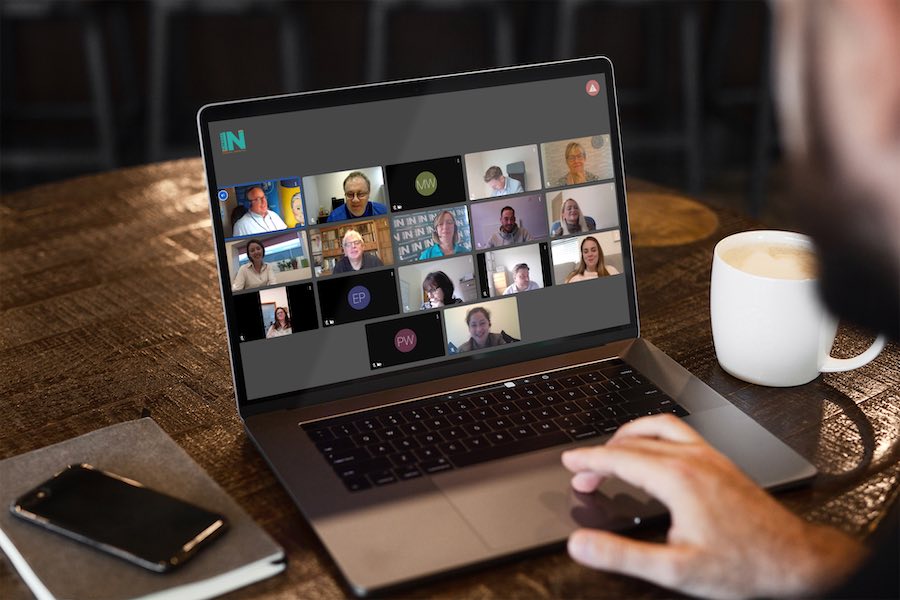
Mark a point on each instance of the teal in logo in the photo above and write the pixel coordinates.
(231, 142)
(426, 183)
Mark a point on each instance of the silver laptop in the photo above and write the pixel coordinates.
(429, 293)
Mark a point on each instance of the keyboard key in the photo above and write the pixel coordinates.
(402, 459)
(506, 408)
(499, 437)
(406, 444)
(548, 412)
(335, 445)
(367, 425)
(517, 447)
(583, 432)
(462, 405)
(523, 418)
(383, 477)
(382, 449)
(476, 428)
(451, 448)
(454, 433)
(459, 418)
(413, 428)
(523, 431)
(529, 390)
(640, 393)
(476, 442)
(572, 394)
(549, 399)
(507, 395)
(361, 468)
(570, 381)
(355, 484)
(486, 412)
(430, 439)
(391, 420)
(320, 435)
(364, 439)
(424, 454)
(415, 414)
(409, 472)
(342, 457)
(345, 430)
(437, 465)
(592, 377)
(549, 386)
(568, 408)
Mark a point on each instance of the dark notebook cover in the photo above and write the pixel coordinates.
(56, 567)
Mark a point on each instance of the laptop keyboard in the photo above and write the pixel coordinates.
(385, 445)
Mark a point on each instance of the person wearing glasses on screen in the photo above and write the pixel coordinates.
(445, 235)
(355, 258)
(259, 219)
(438, 290)
(571, 220)
(592, 264)
(255, 273)
(575, 157)
(356, 200)
(500, 184)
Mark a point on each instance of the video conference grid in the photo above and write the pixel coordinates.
(406, 189)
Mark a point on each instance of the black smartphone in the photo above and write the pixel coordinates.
(120, 516)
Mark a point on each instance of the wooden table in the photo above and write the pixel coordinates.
(110, 307)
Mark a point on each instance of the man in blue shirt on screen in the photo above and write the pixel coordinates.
(500, 184)
(356, 200)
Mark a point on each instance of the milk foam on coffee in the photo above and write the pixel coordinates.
(779, 261)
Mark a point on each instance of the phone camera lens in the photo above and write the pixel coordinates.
(43, 493)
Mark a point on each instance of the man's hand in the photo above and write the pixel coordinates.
(728, 538)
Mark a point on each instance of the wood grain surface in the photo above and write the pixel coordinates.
(109, 301)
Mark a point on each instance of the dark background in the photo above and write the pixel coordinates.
(90, 86)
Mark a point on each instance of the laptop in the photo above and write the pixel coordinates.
(416, 335)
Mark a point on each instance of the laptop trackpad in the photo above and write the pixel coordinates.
(529, 501)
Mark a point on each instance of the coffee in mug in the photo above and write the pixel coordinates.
(769, 325)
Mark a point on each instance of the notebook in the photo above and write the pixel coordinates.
(56, 567)
(429, 294)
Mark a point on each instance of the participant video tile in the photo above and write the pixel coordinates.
(587, 257)
(426, 183)
(577, 160)
(261, 207)
(503, 172)
(514, 270)
(405, 340)
(302, 304)
(487, 325)
(358, 298)
(420, 235)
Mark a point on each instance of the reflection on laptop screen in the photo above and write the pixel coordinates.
(395, 234)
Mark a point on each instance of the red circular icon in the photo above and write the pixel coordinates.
(405, 340)
(592, 87)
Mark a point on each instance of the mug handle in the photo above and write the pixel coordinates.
(835, 365)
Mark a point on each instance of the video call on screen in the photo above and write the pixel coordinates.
(395, 257)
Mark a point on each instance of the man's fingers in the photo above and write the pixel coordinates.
(586, 482)
(665, 427)
(649, 470)
(661, 564)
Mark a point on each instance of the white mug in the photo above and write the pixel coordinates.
(771, 331)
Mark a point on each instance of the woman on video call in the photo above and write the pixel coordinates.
(438, 290)
(479, 321)
(255, 273)
(445, 235)
(575, 158)
(571, 220)
(592, 264)
(281, 325)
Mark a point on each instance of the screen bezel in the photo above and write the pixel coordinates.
(363, 94)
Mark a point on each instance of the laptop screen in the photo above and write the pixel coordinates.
(400, 232)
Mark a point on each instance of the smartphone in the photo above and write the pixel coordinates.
(120, 516)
